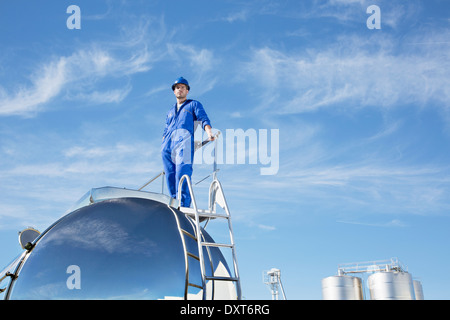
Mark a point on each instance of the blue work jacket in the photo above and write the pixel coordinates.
(190, 111)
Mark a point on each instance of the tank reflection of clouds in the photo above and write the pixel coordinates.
(122, 248)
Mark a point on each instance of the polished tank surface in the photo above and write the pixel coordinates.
(418, 290)
(342, 288)
(391, 286)
(127, 248)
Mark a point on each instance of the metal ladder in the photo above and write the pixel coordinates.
(216, 196)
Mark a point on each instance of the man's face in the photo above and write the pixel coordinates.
(180, 91)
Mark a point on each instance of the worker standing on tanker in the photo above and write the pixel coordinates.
(177, 147)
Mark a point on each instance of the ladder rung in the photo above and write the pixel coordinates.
(188, 234)
(222, 278)
(195, 285)
(192, 210)
(203, 213)
(213, 244)
(193, 256)
(213, 215)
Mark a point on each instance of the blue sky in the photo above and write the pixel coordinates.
(363, 118)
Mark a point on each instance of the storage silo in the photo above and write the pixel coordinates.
(342, 287)
(120, 244)
(418, 290)
(391, 285)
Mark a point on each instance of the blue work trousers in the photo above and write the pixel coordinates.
(177, 156)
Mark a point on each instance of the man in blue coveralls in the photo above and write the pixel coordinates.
(177, 147)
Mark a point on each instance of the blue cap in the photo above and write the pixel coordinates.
(182, 81)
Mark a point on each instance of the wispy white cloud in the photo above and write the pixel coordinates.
(243, 11)
(266, 227)
(369, 174)
(46, 83)
(355, 189)
(375, 187)
(86, 74)
(200, 60)
(100, 72)
(395, 223)
(120, 159)
(241, 15)
(156, 90)
(393, 13)
(353, 73)
(71, 74)
(108, 96)
(36, 190)
(18, 216)
(98, 235)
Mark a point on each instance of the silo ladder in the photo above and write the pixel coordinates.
(216, 196)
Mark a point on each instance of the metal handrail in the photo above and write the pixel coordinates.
(371, 266)
(199, 146)
(153, 179)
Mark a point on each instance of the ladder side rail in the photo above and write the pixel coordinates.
(208, 250)
(233, 251)
(212, 192)
(197, 228)
(186, 257)
(282, 290)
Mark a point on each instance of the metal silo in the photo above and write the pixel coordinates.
(122, 244)
(418, 290)
(391, 285)
(342, 288)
